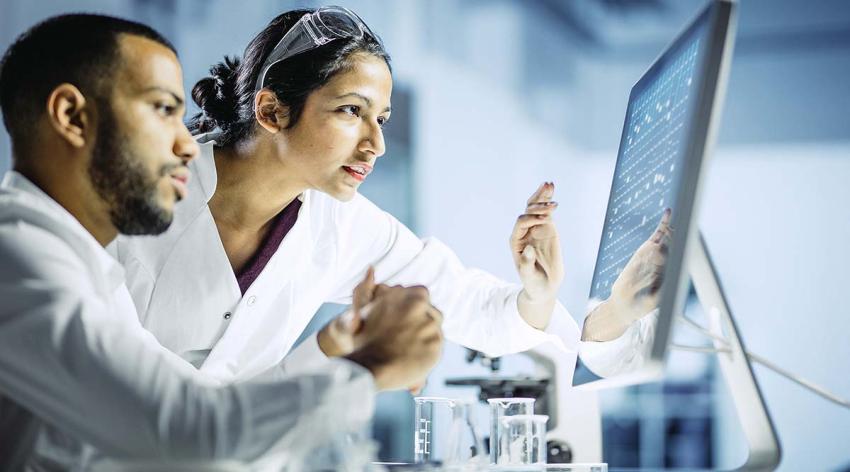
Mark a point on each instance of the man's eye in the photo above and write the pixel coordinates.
(382, 121)
(352, 110)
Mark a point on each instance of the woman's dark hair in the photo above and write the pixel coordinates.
(226, 98)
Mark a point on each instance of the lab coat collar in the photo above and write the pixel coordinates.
(32, 204)
(204, 165)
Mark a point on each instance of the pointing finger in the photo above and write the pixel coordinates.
(663, 227)
(537, 193)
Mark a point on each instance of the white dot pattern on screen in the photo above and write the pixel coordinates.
(646, 177)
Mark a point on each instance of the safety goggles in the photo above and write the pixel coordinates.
(313, 30)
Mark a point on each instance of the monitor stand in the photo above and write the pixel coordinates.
(764, 448)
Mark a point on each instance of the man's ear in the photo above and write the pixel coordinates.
(69, 114)
(269, 112)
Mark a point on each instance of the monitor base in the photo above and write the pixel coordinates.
(764, 448)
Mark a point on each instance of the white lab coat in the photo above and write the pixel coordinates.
(625, 354)
(73, 355)
(188, 297)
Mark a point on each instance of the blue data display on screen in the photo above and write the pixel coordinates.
(652, 149)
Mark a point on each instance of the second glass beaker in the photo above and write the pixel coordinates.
(500, 407)
(465, 446)
(522, 440)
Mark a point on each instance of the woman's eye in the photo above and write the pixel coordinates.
(165, 109)
(352, 110)
(382, 121)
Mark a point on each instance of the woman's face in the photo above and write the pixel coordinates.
(338, 137)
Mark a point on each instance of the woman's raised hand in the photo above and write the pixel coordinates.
(536, 247)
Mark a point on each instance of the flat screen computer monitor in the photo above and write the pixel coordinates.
(667, 136)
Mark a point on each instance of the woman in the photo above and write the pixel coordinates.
(274, 220)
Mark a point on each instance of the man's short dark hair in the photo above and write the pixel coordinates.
(80, 49)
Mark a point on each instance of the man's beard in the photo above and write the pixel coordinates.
(122, 180)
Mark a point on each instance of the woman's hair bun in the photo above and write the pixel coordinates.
(216, 96)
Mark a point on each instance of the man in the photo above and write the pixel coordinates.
(94, 108)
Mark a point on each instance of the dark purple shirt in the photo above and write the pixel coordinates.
(283, 222)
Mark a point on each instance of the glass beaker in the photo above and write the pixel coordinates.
(465, 446)
(522, 440)
(501, 407)
(434, 417)
(446, 432)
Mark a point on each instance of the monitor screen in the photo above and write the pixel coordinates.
(648, 172)
(651, 205)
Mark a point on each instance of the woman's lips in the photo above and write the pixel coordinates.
(358, 172)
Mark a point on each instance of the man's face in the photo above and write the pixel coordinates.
(138, 165)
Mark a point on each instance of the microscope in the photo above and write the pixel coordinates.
(574, 430)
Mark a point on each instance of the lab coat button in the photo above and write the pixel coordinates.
(251, 300)
(227, 315)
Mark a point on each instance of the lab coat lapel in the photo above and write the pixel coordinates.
(258, 331)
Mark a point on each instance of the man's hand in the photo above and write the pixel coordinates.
(341, 336)
(401, 339)
(536, 250)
